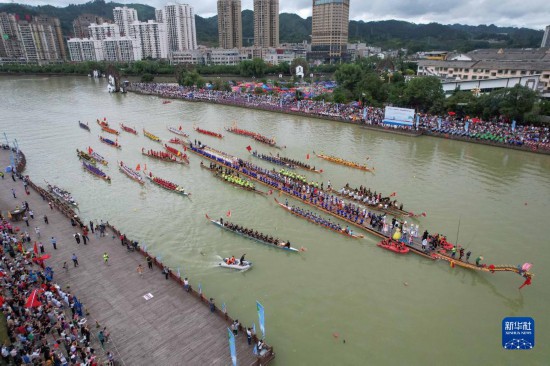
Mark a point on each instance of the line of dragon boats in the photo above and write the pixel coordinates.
(84, 126)
(209, 133)
(178, 154)
(256, 136)
(128, 129)
(96, 171)
(110, 142)
(318, 220)
(150, 136)
(253, 235)
(413, 246)
(161, 155)
(166, 184)
(61, 194)
(351, 164)
(131, 173)
(177, 131)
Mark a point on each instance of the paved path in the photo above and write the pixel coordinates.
(171, 328)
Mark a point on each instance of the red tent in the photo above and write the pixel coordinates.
(32, 301)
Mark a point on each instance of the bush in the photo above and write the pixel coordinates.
(147, 78)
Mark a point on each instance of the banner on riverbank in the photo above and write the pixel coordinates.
(261, 317)
(232, 347)
(398, 116)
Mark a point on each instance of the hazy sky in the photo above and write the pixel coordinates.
(530, 13)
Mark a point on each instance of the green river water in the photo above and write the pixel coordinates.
(389, 309)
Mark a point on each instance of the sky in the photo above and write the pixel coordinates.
(533, 14)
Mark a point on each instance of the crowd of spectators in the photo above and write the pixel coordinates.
(45, 325)
(495, 131)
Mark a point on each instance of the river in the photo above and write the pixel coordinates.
(343, 301)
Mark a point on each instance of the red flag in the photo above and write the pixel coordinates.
(526, 283)
(1, 300)
(32, 301)
(228, 214)
(180, 127)
(248, 148)
(138, 168)
(35, 249)
(393, 194)
(307, 156)
(424, 214)
(184, 148)
(145, 166)
(90, 150)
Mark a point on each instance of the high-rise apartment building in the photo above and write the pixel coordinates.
(82, 22)
(125, 16)
(85, 49)
(36, 40)
(546, 38)
(329, 29)
(152, 37)
(100, 32)
(179, 20)
(10, 41)
(266, 23)
(230, 29)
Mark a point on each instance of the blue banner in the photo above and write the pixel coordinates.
(467, 126)
(365, 114)
(232, 347)
(417, 120)
(439, 123)
(513, 125)
(261, 317)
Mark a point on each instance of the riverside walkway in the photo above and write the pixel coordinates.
(172, 327)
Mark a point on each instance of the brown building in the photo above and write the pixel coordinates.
(81, 24)
(230, 31)
(329, 29)
(10, 42)
(266, 23)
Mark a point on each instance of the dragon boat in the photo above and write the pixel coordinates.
(61, 193)
(384, 204)
(110, 130)
(351, 164)
(273, 160)
(110, 142)
(128, 129)
(163, 183)
(82, 155)
(161, 155)
(234, 181)
(177, 131)
(84, 126)
(329, 225)
(131, 173)
(209, 133)
(150, 136)
(97, 157)
(177, 141)
(299, 164)
(96, 171)
(176, 153)
(275, 244)
(256, 136)
(103, 123)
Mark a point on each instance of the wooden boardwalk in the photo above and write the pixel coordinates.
(171, 328)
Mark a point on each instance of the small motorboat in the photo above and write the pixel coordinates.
(244, 267)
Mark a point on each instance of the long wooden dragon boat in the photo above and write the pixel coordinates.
(177, 131)
(131, 173)
(176, 153)
(110, 130)
(209, 133)
(273, 160)
(163, 183)
(232, 228)
(414, 247)
(82, 155)
(299, 164)
(226, 178)
(128, 129)
(151, 136)
(97, 157)
(161, 155)
(351, 164)
(110, 142)
(256, 136)
(103, 123)
(84, 126)
(382, 206)
(315, 220)
(96, 171)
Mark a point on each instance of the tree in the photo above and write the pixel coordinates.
(422, 93)
(189, 77)
(516, 102)
(255, 67)
(147, 78)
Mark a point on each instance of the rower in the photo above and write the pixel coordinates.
(287, 244)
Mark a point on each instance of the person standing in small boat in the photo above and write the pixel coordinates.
(241, 261)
